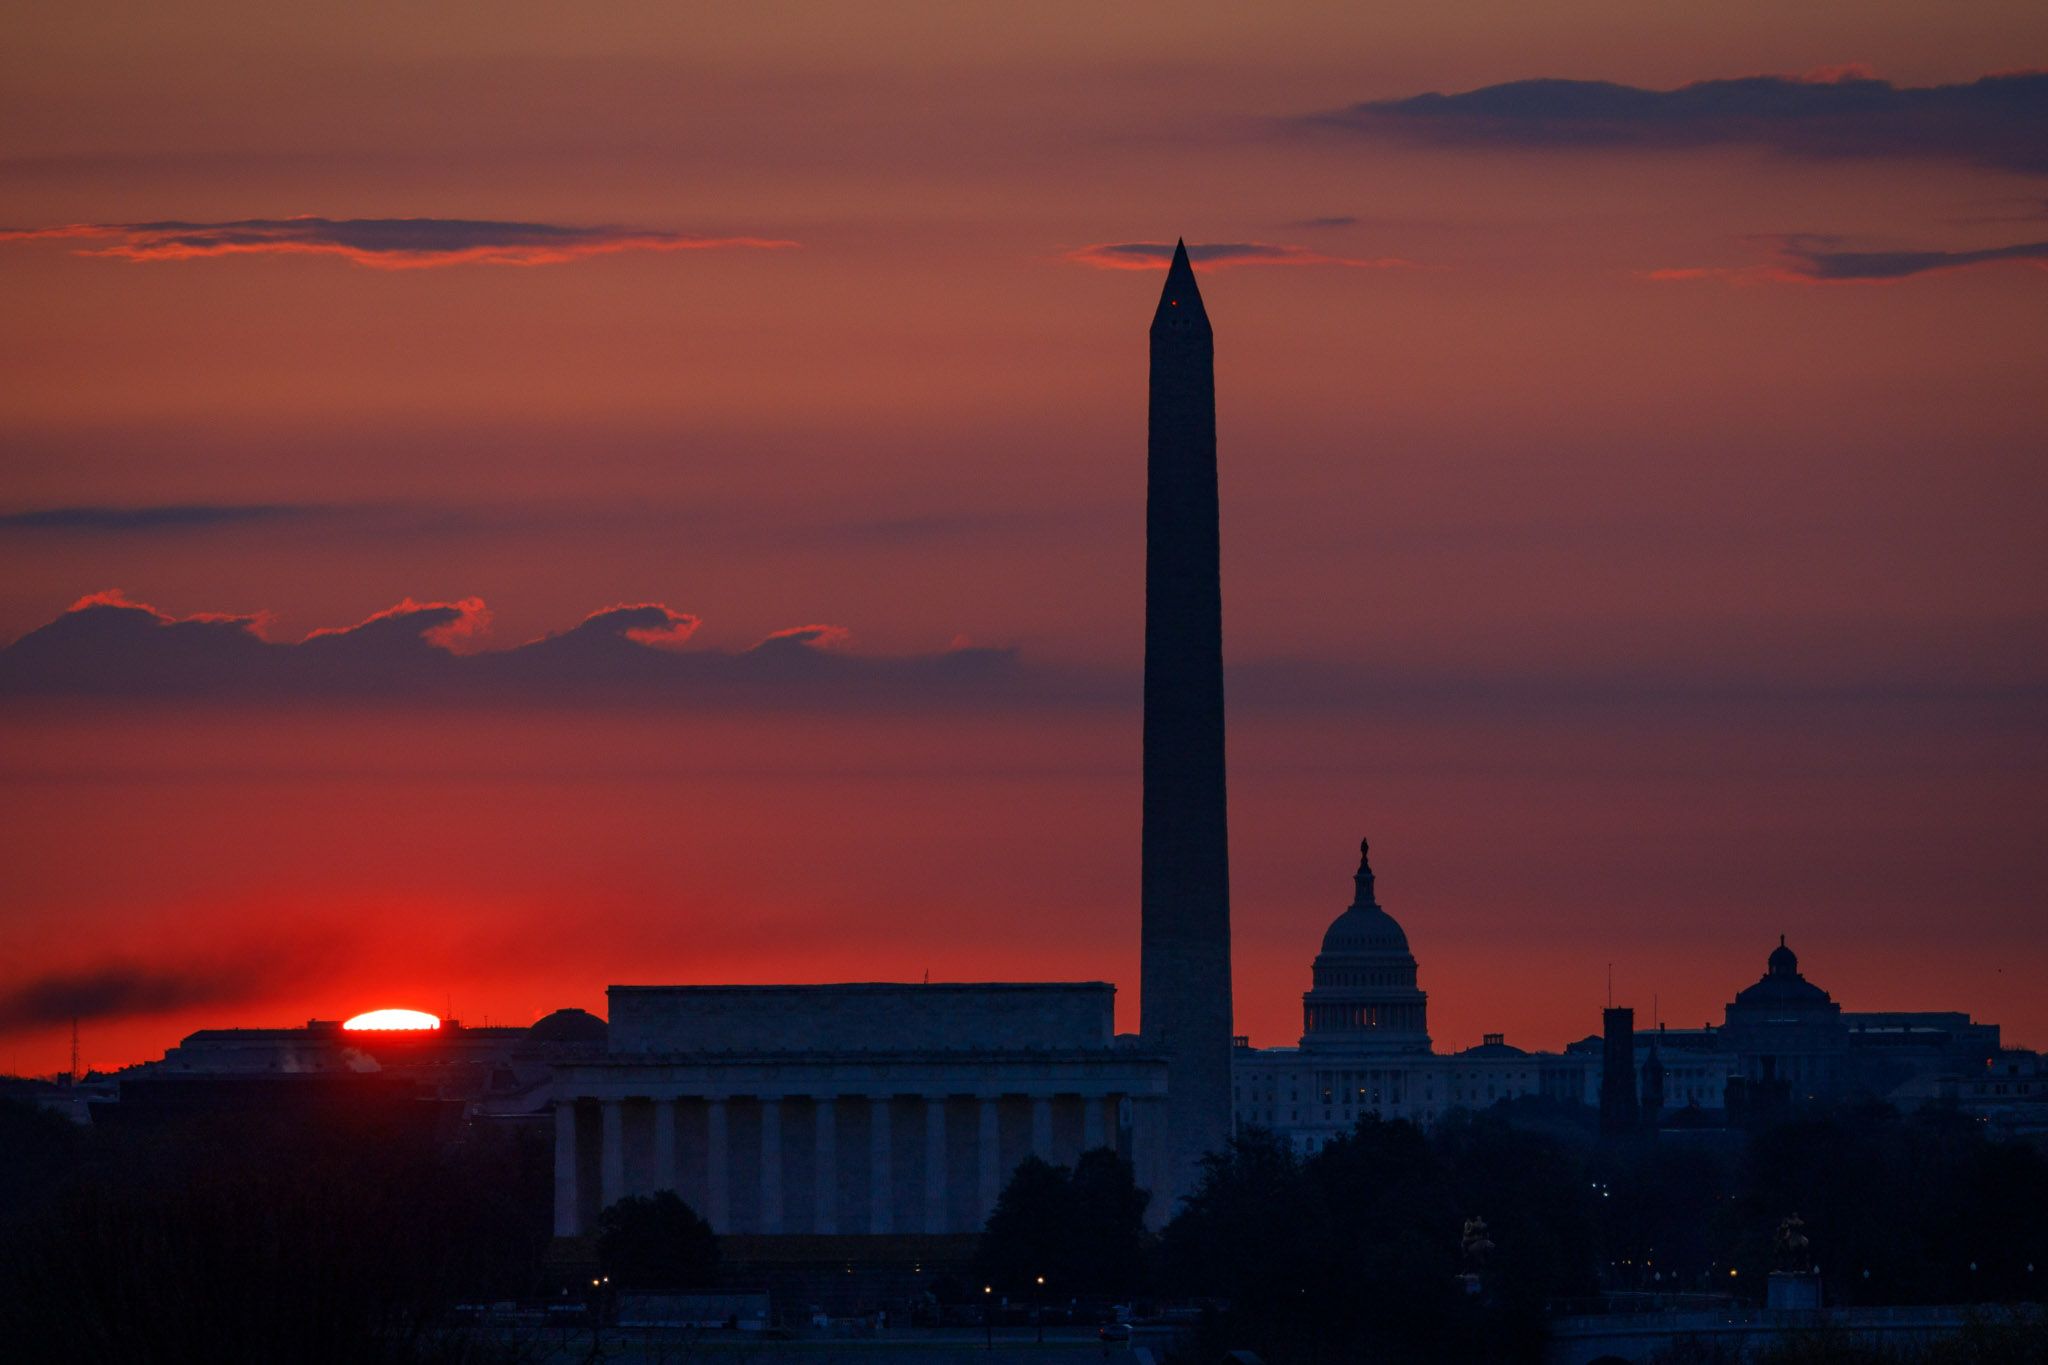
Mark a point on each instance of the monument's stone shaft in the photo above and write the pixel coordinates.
(1184, 987)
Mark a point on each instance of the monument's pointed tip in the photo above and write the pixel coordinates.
(1181, 294)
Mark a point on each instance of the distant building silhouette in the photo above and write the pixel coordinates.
(1184, 979)
(1652, 1089)
(1787, 1032)
(1619, 1112)
(1784, 1043)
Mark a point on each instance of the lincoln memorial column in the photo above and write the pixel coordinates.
(879, 1184)
(771, 1164)
(665, 1144)
(1091, 1122)
(935, 1163)
(988, 1155)
(1041, 1127)
(826, 1180)
(718, 1208)
(565, 1169)
(612, 1154)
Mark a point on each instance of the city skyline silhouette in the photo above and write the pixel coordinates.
(448, 565)
(1334, 685)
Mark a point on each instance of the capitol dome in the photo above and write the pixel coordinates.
(1364, 929)
(1363, 993)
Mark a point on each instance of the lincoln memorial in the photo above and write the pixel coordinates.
(846, 1109)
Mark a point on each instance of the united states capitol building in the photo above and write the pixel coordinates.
(1365, 1045)
(1365, 1050)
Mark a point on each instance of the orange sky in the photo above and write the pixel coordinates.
(1637, 618)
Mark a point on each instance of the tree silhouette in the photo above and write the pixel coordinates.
(1107, 1244)
(656, 1243)
(1028, 1231)
(1083, 1229)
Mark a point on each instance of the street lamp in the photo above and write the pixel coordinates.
(1038, 1305)
(597, 1316)
(988, 1308)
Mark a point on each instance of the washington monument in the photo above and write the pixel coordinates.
(1184, 979)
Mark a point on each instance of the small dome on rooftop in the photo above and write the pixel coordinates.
(1783, 961)
(569, 1026)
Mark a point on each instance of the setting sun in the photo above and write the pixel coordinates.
(387, 1020)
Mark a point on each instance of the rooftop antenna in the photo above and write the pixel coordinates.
(1655, 1017)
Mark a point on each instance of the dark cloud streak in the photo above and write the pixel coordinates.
(118, 992)
(1809, 258)
(380, 243)
(1216, 255)
(166, 517)
(1822, 264)
(642, 655)
(1999, 120)
(760, 525)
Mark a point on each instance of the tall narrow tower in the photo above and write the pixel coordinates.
(1184, 986)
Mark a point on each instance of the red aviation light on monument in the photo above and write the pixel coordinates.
(393, 1021)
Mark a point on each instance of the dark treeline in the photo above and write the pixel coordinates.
(252, 1237)
(1365, 1250)
(1898, 1209)
(348, 1235)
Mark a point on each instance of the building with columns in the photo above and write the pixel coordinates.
(883, 1109)
(865, 1109)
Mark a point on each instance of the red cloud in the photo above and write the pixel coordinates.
(811, 637)
(464, 621)
(115, 597)
(673, 628)
(1838, 73)
(110, 646)
(380, 243)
